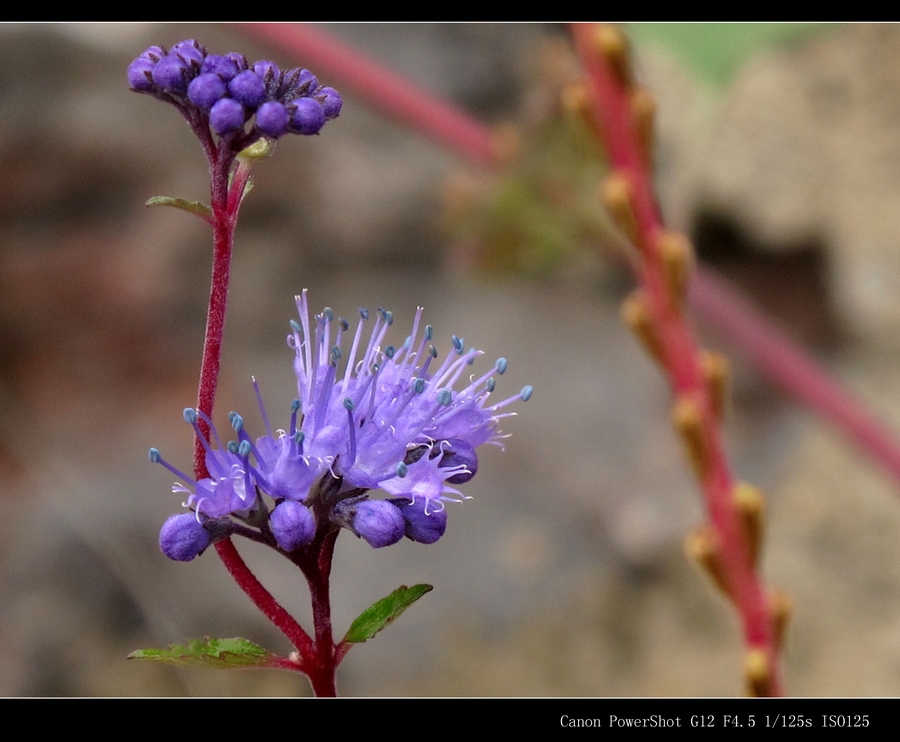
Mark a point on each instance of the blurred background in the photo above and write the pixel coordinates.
(779, 152)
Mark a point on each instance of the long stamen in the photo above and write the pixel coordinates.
(262, 407)
(351, 359)
(351, 454)
(156, 458)
(524, 395)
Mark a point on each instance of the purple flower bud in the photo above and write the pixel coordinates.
(153, 53)
(206, 90)
(331, 102)
(272, 119)
(182, 537)
(307, 116)
(248, 89)
(189, 50)
(269, 72)
(224, 67)
(169, 73)
(379, 522)
(239, 59)
(293, 525)
(140, 75)
(422, 525)
(227, 116)
(297, 83)
(457, 452)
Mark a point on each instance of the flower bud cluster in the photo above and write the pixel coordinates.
(390, 423)
(227, 91)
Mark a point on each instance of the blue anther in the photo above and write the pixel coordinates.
(429, 332)
(501, 366)
(244, 448)
(299, 436)
(490, 384)
(295, 405)
(432, 351)
(335, 355)
(457, 343)
(388, 317)
(232, 446)
(344, 324)
(419, 386)
(154, 455)
(402, 470)
(445, 396)
(526, 393)
(348, 403)
(231, 416)
(190, 415)
(237, 422)
(328, 314)
(364, 313)
(389, 351)
(295, 326)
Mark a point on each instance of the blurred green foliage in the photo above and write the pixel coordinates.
(715, 51)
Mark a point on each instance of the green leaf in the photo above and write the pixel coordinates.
(210, 652)
(195, 207)
(377, 616)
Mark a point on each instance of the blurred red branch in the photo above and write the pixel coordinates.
(727, 549)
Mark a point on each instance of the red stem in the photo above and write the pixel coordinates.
(263, 600)
(611, 108)
(316, 566)
(712, 297)
(226, 200)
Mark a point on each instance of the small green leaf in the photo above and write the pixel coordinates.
(377, 616)
(210, 652)
(195, 207)
(259, 150)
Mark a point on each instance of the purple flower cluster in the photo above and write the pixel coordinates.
(227, 91)
(391, 421)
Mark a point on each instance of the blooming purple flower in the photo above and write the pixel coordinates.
(223, 91)
(391, 420)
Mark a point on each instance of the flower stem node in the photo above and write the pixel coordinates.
(293, 525)
(751, 508)
(780, 607)
(612, 46)
(635, 314)
(616, 194)
(687, 419)
(758, 673)
(716, 370)
(703, 548)
(677, 257)
(183, 537)
(643, 115)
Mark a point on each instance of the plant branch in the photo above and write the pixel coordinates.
(725, 549)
